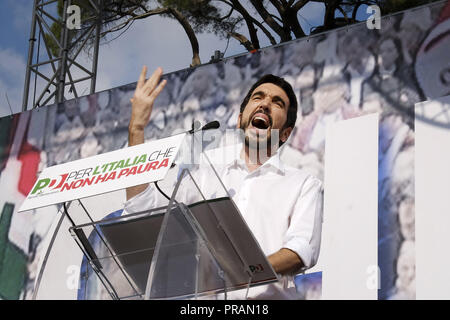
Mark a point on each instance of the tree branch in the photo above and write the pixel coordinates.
(158, 11)
(330, 8)
(264, 29)
(275, 17)
(294, 24)
(343, 13)
(228, 15)
(249, 22)
(243, 40)
(278, 6)
(239, 8)
(191, 35)
(270, 21)
(290, 19)
(133, 17)
(283, 12)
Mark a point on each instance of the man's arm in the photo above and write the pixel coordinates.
(141, 110)
(285, 262)
(302, 240)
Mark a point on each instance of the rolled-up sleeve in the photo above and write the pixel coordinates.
(305, 228)
(143, 201)
(150, 198)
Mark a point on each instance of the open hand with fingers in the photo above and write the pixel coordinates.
(142, 104)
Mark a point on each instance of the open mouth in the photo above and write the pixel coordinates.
(261, 121)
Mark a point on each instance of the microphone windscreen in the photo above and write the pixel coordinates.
(211, 125)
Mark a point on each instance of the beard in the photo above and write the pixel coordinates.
(262, 141)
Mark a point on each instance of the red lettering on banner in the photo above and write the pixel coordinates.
(141, 168)
(67, 186)
(88, 182)
(164, 163)
(152, 165)
(132, 171)
(101, 178)
(123, 172)
(155, 165)
(77, 184)
(111, 176)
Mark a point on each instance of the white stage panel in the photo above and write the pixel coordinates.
(348, 256)
(432, 179)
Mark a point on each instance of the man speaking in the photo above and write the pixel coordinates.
(281, 205)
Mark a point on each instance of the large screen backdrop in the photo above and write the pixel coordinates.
(336, 75)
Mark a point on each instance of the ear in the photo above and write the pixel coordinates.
(239, 121)
(285, 133)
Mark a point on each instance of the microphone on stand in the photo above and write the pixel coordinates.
(210, 125)
(195, 128)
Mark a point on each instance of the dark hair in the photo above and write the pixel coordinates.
(283, 84)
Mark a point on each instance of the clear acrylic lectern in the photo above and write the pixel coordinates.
(195, 246)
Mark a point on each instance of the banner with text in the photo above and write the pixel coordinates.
(106, 172)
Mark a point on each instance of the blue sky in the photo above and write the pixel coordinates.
(142, 44)
(15, 16)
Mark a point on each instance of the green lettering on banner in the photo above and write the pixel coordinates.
(142, 159)
(127, 163)
(96, 171)
(40, 185)
(112, 165)
(134, 161)
(119, 165)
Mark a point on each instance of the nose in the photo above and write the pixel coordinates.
(265, 104)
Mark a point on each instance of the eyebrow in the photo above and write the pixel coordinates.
(278, 98)
(275, 98)
(256, 93)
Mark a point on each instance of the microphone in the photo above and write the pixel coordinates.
(195, 128)
(210, 125)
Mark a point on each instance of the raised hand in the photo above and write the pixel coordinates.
(142, 104)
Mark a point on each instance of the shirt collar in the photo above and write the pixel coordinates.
(273, 164)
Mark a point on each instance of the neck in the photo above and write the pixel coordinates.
(254, 158)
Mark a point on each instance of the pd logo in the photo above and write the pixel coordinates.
(256, 268)
(48, 183)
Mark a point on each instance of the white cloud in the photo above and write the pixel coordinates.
(10, 63)
(154, 42)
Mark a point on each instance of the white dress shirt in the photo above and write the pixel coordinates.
(281, 205)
